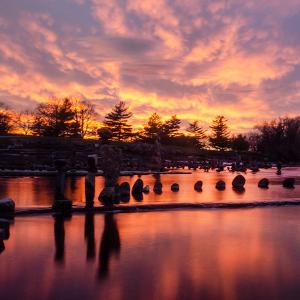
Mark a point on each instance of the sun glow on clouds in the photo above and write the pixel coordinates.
(192, 58)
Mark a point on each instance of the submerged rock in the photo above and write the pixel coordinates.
(288, 183)
(7, 205)
(175, 187)
(263, 183)
(238, 182)
(198, 186)
(220, 185)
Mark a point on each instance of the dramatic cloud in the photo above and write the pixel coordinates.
(193, 58)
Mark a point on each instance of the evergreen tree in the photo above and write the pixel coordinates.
(117, 122)
(153, 128)
(197, 133)
(55, 118)
(219, 138)
(171, 127)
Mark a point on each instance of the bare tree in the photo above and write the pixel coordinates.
(24, 121)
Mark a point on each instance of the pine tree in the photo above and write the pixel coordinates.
(54, 118)
(197, 132)
(171, 127)
(219, 138)
(153, 128)
(117, 122)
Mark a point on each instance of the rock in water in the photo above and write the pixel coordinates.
(157, 187)
(107, 196)
(124, 189)
(198, 186)
(7, 205)
(175, 187)
(288, 183)
(220, 185)
(137, 188)
(238, 182)
(146, 189)
(263, 183)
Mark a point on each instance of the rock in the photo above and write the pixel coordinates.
(198, 186)
(263, 183)
(288, 183)
(175, 187)
(157, 187)
(146, 189)
(107, 196)
(2, 246)
(7, 205)
(238, 182)
(137, 188)
(220, 185)
(4, 229)
(62, 205)
(124, 189)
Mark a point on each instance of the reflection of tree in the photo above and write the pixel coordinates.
(89, 234)
(110, 244)
(59, 235)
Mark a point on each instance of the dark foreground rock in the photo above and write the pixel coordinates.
(263, 183)
(220, 185)
(137, 188)
(238, 182)
(175, 187)
(198, 186)
(7, 205)
(124, 189)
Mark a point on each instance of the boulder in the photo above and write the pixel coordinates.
(198, 186)
(288, 183)
(238, 182)
(2, 246)
(263, 183)
(175, 187)
(124, 189)
(157, 187)
(7, 205)
(146, 189)
(220, 185)
(137, 188)
(107, 196)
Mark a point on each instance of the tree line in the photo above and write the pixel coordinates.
(67, 117)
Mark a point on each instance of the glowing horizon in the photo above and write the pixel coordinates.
(194, 59)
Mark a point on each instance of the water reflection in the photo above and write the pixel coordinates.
(219, 254)
(59, 236)
(89, 235)
(110, 245)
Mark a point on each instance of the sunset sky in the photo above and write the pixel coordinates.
(192, 58)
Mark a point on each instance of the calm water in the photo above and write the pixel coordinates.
(210, 254)
(38, 191)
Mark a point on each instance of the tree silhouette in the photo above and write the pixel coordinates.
(153, 128)
(197, 132)
(55, 118)
(171, 127)
(5, 120)
(239, 143)
(117, 122)
(219, 138)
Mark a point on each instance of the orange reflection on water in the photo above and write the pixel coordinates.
(211, 254)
